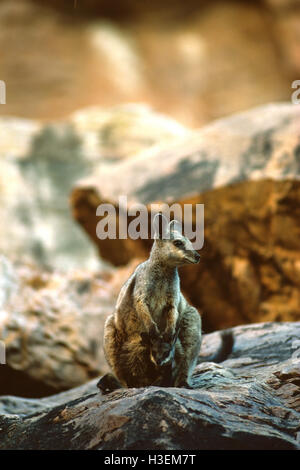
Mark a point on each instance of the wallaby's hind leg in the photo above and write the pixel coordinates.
(112, 349)
(110, 342)
(108, 383)
(187, 346)
(126, 357)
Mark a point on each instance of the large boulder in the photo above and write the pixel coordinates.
(112, 134)
(51, 324)
(245, 170)
(38, 166)
(40, 163)
(250, 401)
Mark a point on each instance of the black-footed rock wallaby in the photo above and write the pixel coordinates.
(154, 335)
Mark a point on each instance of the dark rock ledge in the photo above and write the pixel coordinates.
(250, 401)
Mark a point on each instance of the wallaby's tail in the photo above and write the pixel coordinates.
(227, 342)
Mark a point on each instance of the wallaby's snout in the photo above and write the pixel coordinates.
(191, 256)
(197, 257)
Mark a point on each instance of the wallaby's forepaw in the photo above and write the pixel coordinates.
(154, 332)
(168, 336)
(108, 383)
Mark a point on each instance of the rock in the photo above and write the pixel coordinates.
(245, 170)
(250, 401)
(212, 59)
(15, 405)
(286, 20)
(8, 281)
(52, 326)
(123, 131)
(38, 167)
(39, 164)
(16, 135)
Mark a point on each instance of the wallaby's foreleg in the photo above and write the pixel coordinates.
(110, 344)
(127, 357)
(112, 349)
(171, 317)
(146, 317)
(187, 346)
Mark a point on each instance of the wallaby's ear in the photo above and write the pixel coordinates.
(160, 224)
(175, 226)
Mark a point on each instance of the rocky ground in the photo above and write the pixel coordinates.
(250, 401)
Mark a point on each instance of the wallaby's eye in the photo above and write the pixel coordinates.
(178, 243)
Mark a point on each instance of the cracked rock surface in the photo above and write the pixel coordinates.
(250, 401)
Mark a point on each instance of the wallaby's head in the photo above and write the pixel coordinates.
(171, 245)
(161, 351)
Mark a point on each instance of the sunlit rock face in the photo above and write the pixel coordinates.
(245, 170)
(195, 61)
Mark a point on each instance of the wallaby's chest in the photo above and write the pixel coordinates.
(161, 295)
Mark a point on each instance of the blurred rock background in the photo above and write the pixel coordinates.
(193, 60)
(107, 98)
